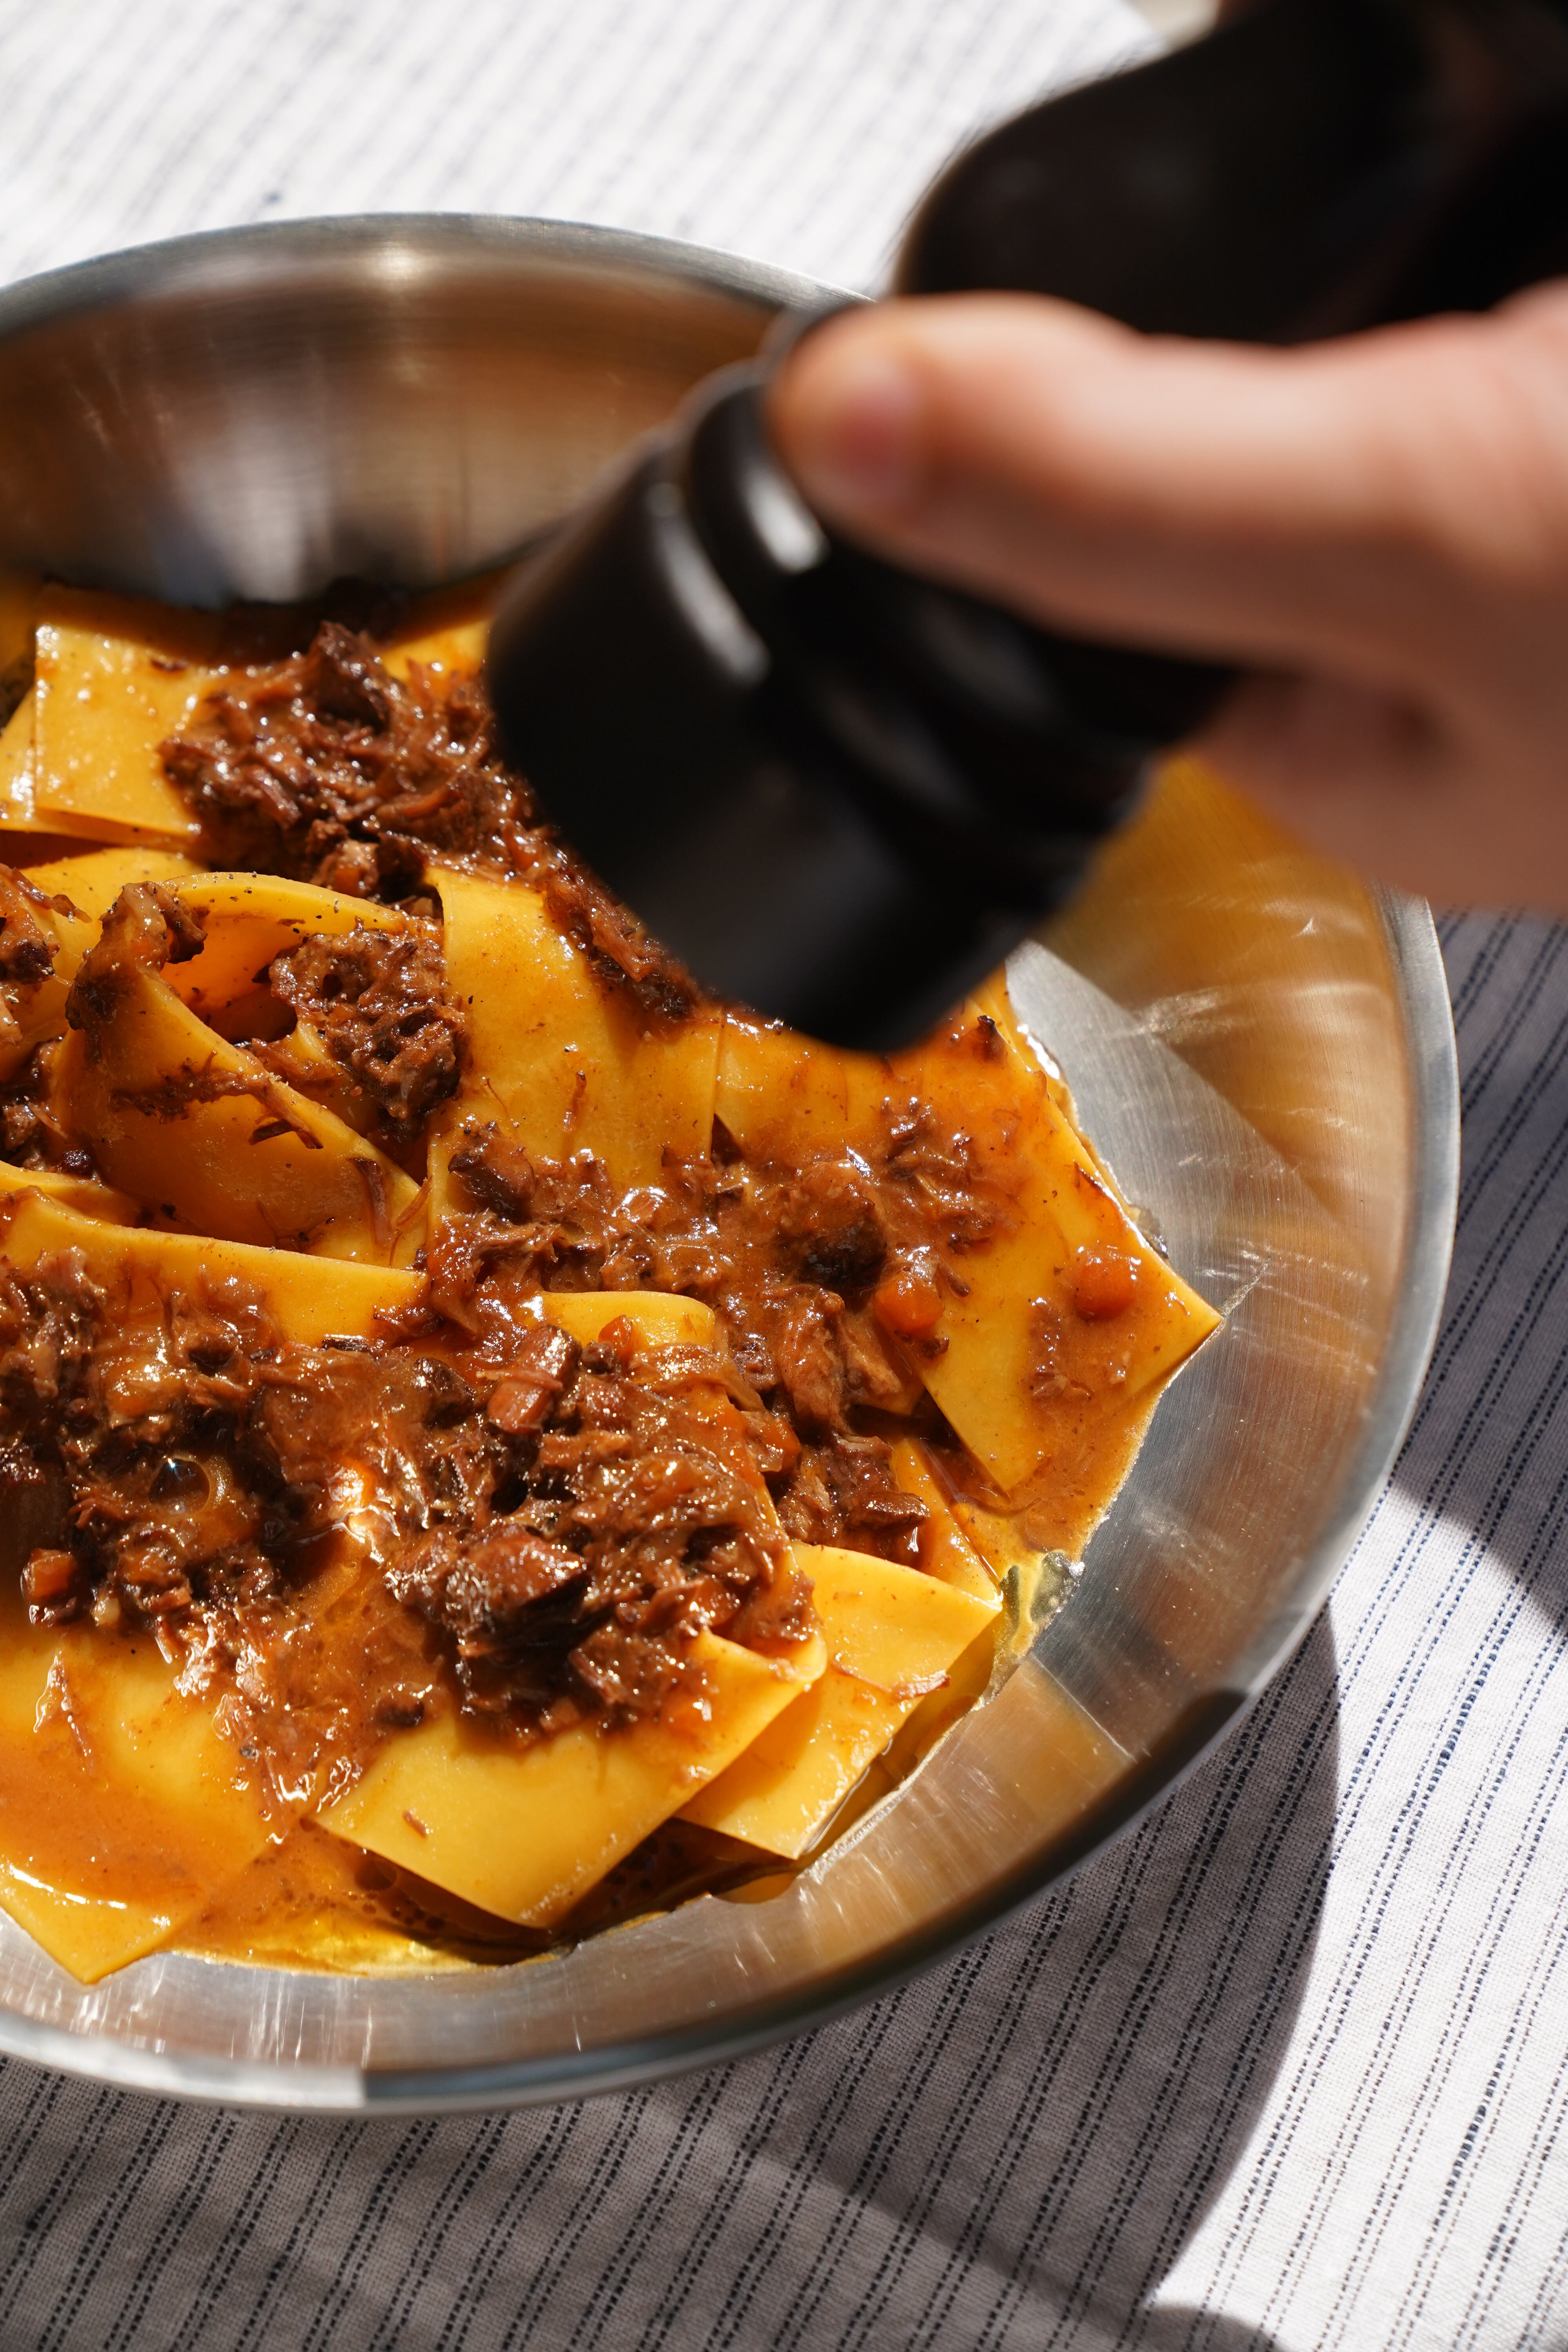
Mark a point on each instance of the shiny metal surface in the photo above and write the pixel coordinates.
(1261, 1048)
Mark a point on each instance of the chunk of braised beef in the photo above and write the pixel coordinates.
(750, 1349)
(860, 1472)
(844, 1491)
(26, 947)
(873, 1374)
(830, 1227)
(780, 1611)
(411, 1422)
(478, 1591)
(462, 1253)
(48, 1323)
(572, 1451)
(1045, 1374)
(161, 1368)
(497, 1173)
(630, 1675)
(806, 1355)
(31, 1135)
(943, 1179)
(378, 999)
(555, 1219)
(660, 1498)
(774, 1443)
(342, 678)
(35, 1502)
(807, 1508)
(523, 1398)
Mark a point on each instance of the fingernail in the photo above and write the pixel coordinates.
(855, 433)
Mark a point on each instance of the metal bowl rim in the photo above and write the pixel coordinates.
(183, 264)
(187, 264)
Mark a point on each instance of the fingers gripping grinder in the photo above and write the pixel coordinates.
(841, 793)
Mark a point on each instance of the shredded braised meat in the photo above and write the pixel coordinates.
(804, 1268)
(326, 767)
(31, 1134)
(26, 949)
(549, 1536)
(627, 1531)
(551, 1528)
(378, 1001)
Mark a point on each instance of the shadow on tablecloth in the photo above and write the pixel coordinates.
(1012, 2151)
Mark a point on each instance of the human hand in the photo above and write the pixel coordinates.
(1377, 527)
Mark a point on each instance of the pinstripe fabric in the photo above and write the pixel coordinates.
(1289, 2068)
(797, 131)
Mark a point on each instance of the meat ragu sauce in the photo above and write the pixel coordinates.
(477, 1512)
(549, 1535)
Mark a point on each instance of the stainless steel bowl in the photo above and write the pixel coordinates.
(1261, 1048)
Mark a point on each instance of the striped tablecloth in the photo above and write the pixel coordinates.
(1289, 2068)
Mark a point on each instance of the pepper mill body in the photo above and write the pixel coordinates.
(840, 792)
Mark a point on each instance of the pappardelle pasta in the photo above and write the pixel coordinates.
(494, 1440)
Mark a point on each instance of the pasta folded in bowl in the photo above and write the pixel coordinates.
(496, 1441)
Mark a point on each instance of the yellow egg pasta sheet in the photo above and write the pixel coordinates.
(445, 630)
(564, 1060)
(526, 1831)
(93, 878)
(114, 677)
(946, 1551)
(457, 651)
(309, 1298)
(977, 1095)
(122, 1809)
(892, 1634)
(200, 1130)
(91, 883)
(659, 1318)
(85, 1194)
(16, 809)
(249, 918)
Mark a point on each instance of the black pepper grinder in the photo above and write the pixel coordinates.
(840, 792)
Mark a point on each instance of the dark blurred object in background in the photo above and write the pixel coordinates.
(841, 793)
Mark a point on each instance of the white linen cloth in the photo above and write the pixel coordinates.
(1287, 2069)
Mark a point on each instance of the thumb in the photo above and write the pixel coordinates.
(1345, 508)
